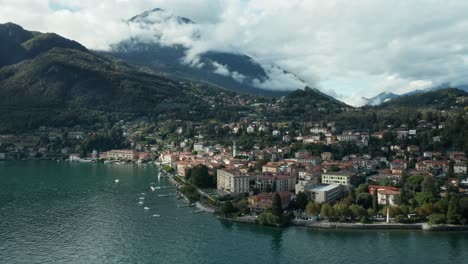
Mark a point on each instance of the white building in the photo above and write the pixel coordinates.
(343, 178)
(232, 181)
(325, 193)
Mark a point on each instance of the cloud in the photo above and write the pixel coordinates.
(224, 71)
(279, 80)
(352, 49)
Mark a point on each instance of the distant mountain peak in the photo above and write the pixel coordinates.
(380, 98)
(158, 16)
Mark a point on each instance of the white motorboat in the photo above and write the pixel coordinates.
(117, 180)
(146, 208)
(156, 215)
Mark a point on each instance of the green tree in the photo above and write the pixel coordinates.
(375, 203)
(364, 200)
(327, 211)
(227, 208)
(200, 177)
(277, 208)
(268, 218)
(341, 211)
(451, 170)
(463, 207)
(429, 185)
(313, 208)
(357, 211)
(453, 217)
(301, 201)
(437, 219)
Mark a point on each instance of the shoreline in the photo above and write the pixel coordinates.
(357, 226)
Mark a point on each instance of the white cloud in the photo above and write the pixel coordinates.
(223, 70)
(369, 46)
(220, 69)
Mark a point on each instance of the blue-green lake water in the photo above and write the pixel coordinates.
(75, 213)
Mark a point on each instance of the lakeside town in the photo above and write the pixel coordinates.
(317, 172)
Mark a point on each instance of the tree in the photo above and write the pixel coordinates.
(375, 203)
(362, 188)
(357, 212)
(268, 218)
(464, 207)
(313, 208)
(227, 209)
(403, 198)
(429, 185)
(341, 211)
(364, 200)
(327, 211)
(452, 211)
(451, 170)
(200, 177)
(277, 208)
(301, 201)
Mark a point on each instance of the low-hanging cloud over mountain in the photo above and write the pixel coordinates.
(354, 49)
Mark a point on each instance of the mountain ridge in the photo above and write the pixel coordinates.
(232, 70)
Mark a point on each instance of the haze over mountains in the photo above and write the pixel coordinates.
(164, 44)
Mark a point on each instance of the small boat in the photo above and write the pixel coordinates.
(143, 193)
(185, 205)
(197, 211)
(155, 188)
(146, 208)
(156, 215)
(140, 202)
(117, 180)
(141, 198)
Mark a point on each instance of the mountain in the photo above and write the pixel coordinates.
(234, 71)
(386, 96)
(50, 80)
(441, 99)
(380, 98)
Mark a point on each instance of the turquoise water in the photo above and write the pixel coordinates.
(75, 213)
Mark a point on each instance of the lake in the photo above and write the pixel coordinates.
(76, 213)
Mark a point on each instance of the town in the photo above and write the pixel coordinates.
(247, 169)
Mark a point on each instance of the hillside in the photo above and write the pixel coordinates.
(49, 80)
(61, 83)
(439, 99)
(18, 44)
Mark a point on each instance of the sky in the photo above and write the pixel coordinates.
(348, 49)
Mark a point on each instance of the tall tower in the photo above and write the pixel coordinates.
(234, 149)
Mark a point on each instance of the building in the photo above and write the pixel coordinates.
(372, 188)
(198, 146)
(76, 135)
(459, 168)
(124, 154)
(413, 149)
(339, 177)
(277, 182)
(387, 197)
(232, 181)
(326, 155)
(325, 193)
(272, 167)
(264, 200)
